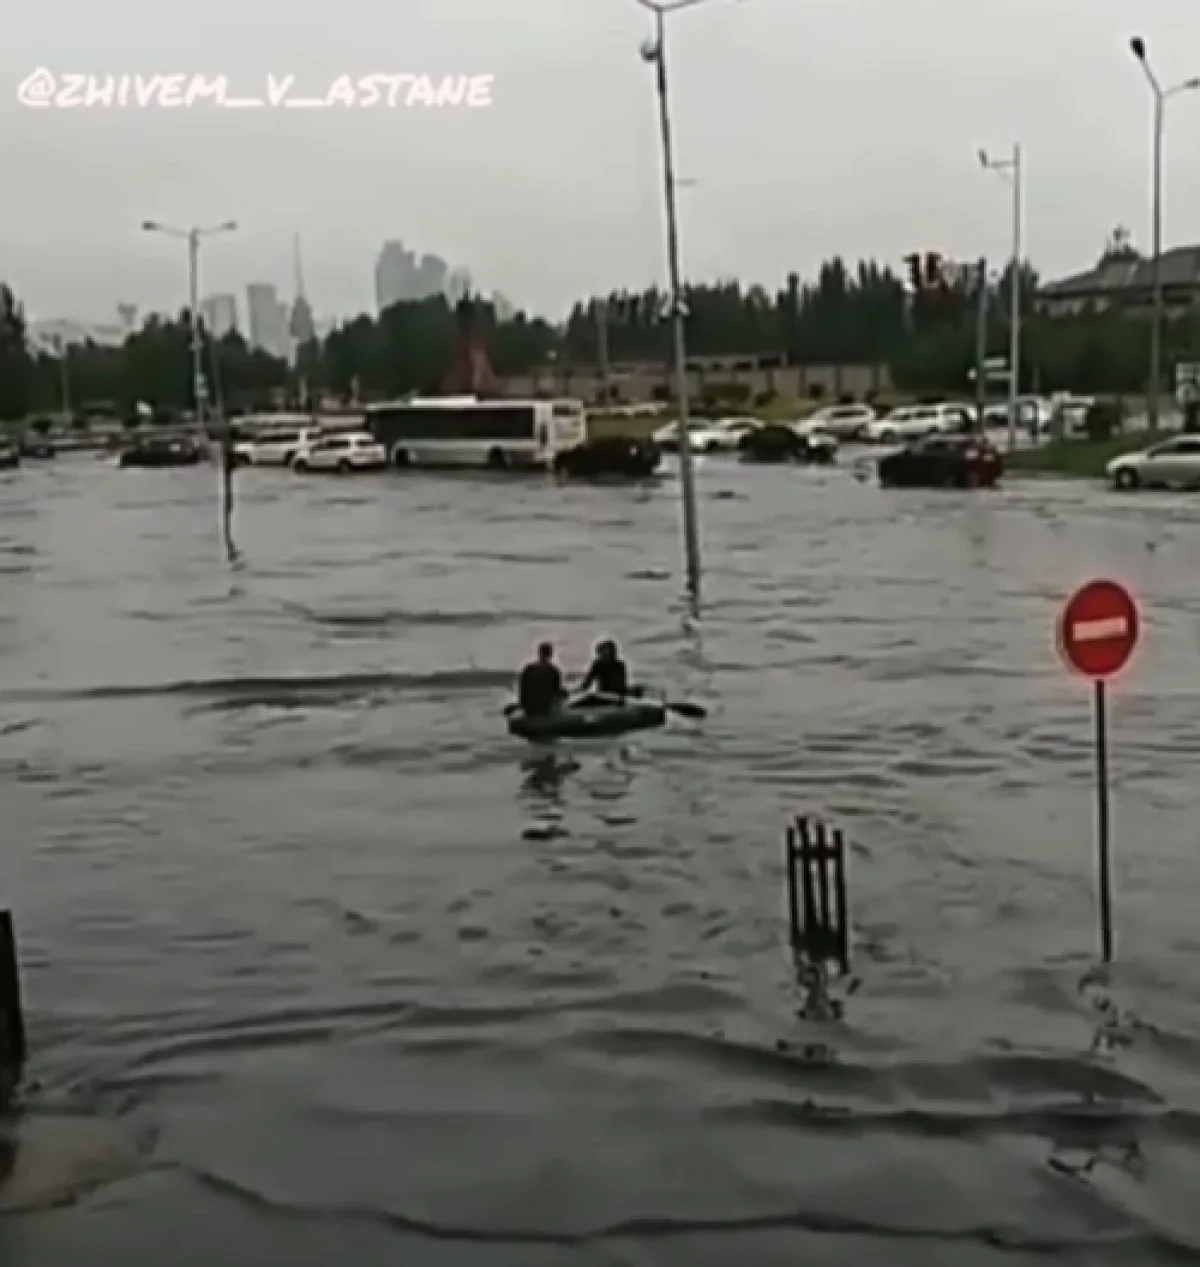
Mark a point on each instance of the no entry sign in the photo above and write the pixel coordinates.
(1098, 630)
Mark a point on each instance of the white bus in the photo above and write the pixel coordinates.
(498, 435)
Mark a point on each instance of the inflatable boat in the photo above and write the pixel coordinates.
(589, 718)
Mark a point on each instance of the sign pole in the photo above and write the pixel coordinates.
(1098, 631)
(1103, 845)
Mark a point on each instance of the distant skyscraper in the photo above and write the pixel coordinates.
(402, 275)
(268, 319)
(220, 315)
(458, 285)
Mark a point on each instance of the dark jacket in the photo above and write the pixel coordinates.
(540, 688)
(609, 677)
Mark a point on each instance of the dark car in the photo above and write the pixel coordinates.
(942, 461)
(35, 446)
(777, 444)
(10, 456)
(162, 453)
(609, 458)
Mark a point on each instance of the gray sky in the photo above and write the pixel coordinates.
(812, 127)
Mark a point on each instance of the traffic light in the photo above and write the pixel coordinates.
(914, 270)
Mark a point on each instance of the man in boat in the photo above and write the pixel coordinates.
(609, 674)
(540, 686)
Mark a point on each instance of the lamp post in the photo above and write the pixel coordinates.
(193, 237)
(1161, 96)
(655, 52)
(1009, 169)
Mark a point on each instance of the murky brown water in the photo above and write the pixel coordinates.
(359, 982)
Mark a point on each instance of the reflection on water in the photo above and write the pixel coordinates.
(353, 975)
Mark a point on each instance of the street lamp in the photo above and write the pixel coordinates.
(1009, 169)
(654, 51)
(1162, 95)
(193, 238)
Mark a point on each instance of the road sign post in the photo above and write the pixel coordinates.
(1098, 631)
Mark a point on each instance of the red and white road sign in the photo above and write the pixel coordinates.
(1098, 629)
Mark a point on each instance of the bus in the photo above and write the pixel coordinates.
(458, 431)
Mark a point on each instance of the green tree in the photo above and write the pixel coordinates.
(16, 366)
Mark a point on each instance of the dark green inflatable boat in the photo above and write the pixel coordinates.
(583, 719)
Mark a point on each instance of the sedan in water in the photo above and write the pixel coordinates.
(942, 462)
(1173, 464)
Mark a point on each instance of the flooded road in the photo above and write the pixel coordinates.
(361, 982)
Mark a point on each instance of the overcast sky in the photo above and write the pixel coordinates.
(810, 127)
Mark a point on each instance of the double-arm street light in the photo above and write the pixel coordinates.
(655, 52)
(1162, 95)
(193, 237)
(1010, 170)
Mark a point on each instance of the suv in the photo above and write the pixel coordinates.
(275, 448)
(352, 451)
(914, 421)
(843, 422)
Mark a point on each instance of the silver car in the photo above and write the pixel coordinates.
(1173, 464)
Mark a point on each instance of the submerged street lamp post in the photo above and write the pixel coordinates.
(193, 238)
(655, 51)
(1010, 170)
(1162, 95)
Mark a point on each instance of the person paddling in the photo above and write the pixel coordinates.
(540, 686)
(609, 674)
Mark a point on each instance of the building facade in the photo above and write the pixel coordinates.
(1124, 280)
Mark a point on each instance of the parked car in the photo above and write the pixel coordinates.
(942, 462)
(353, 451)
(911, 422)
(707, 437)
(275, 448)
(1034, 415)
(10, 455)
(779, 443)
(843, 422)
(1174, 463)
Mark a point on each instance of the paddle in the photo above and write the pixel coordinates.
(696, 712)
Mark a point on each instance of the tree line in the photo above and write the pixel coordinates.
(848, 314)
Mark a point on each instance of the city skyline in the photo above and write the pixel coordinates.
(802, 133)
(266, 317)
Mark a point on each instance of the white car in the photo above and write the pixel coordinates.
(707, 437)
(914, 422)
(821, 440)
(1173, 464)
(1034, 415)
(275, 448)
(352, 451)
(843, 422)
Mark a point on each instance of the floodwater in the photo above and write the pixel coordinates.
(330, 970)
